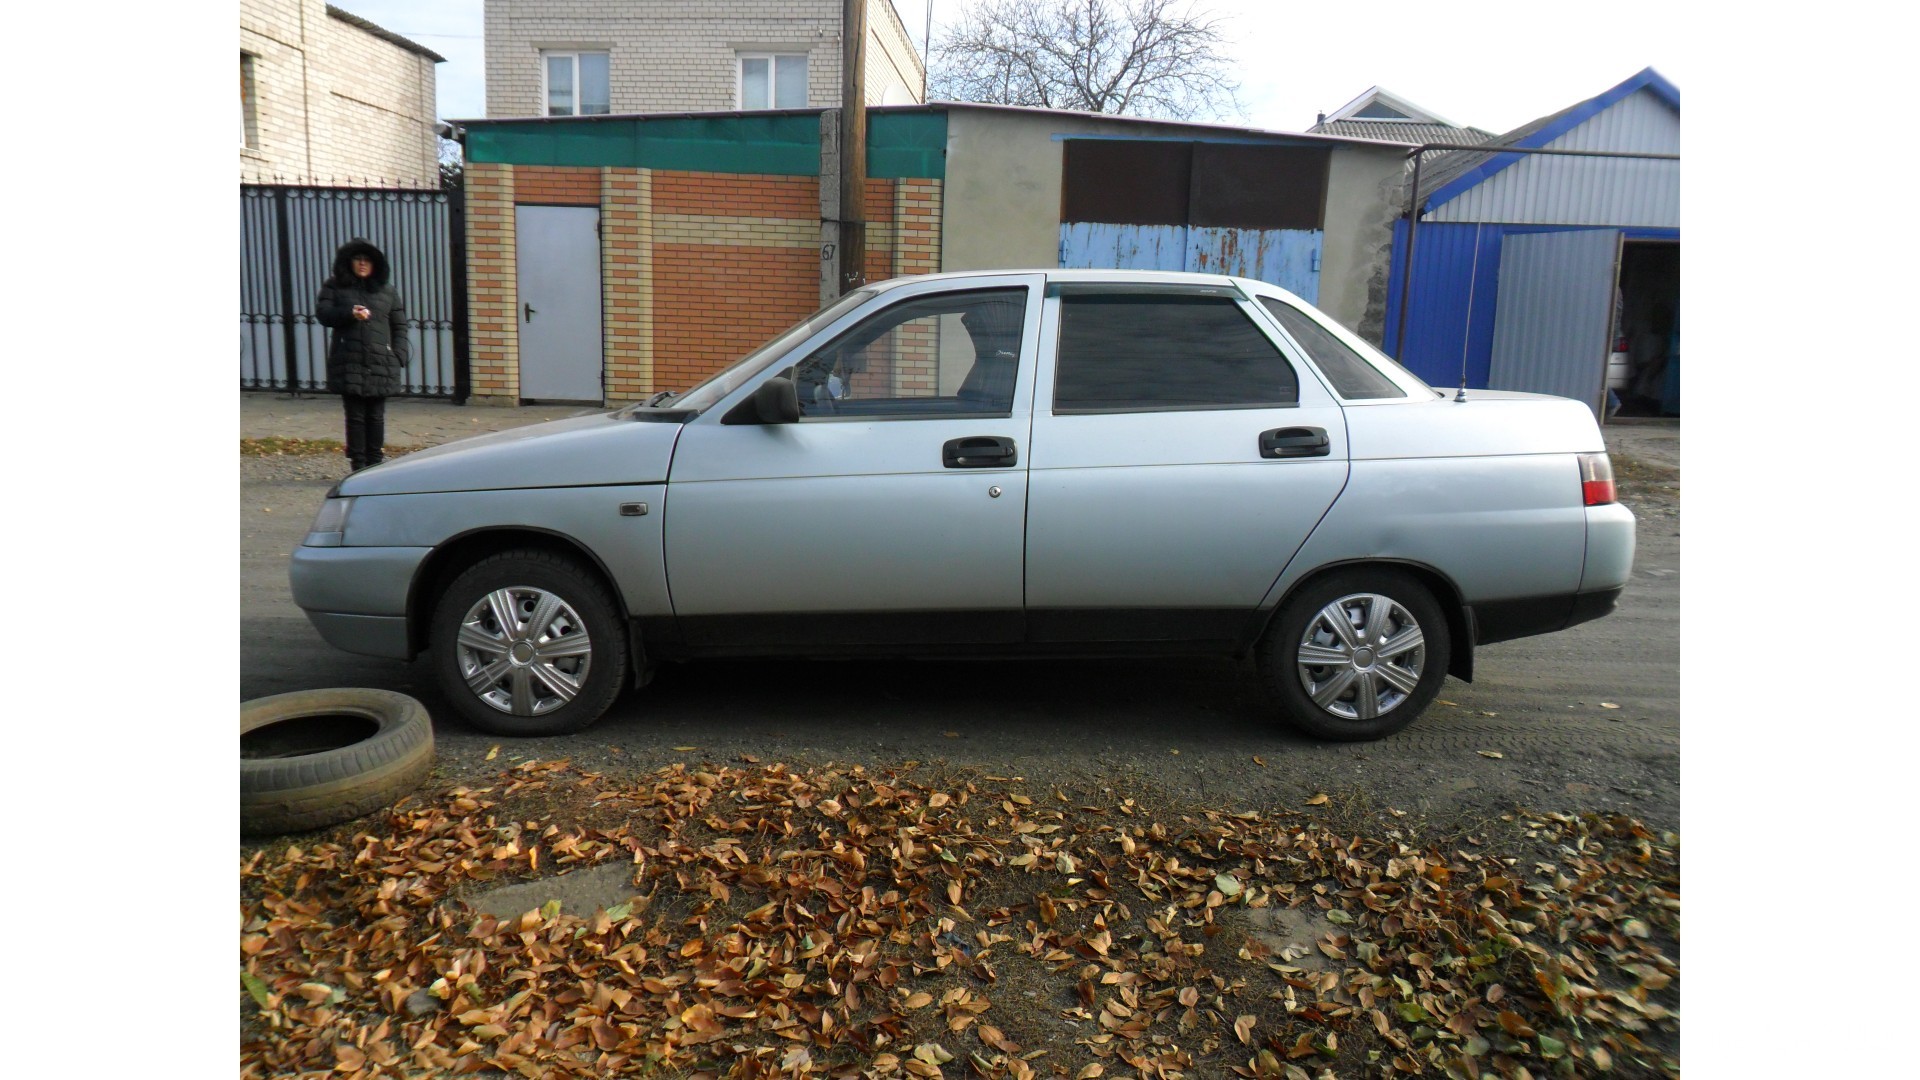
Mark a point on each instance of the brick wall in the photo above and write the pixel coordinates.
(626, 275)
(737, 260)
(697, 269)
(546, 185)
(493, 322)
(335, 103)
(681, 55)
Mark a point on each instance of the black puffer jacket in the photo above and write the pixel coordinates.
(368, 356)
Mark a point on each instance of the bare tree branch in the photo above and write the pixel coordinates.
(1150, 58)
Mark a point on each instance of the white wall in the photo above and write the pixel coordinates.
(681, 55)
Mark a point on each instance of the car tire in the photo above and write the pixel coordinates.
(315, 758)
(554, 671)
(1360, 690)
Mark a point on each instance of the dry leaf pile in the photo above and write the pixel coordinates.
(861, 924)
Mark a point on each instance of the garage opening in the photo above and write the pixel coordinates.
(1643, 368)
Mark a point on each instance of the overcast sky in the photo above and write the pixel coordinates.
(1493, 64)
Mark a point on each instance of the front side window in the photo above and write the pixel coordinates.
(955, 354)
(1139, 352)
(577, 83)
(1352, 377)
(773, 80)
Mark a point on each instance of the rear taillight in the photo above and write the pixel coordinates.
(1596, 479)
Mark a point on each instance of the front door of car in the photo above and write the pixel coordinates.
(894, 511)
(1179, 460)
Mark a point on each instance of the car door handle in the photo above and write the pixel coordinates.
(979, 452)
(529, 311)
(1294, 442)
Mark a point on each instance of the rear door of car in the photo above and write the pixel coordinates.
(894, 513)
(1180, 457)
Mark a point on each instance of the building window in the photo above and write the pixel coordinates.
(773, 80)
(249, 110)
(576, 83)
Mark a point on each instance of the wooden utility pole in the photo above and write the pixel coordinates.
(853, 145)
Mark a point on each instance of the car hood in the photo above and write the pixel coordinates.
(579, 451)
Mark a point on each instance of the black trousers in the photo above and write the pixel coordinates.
(366, 429)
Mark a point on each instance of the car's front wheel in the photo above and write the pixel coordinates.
(528, 643)
(1357, 654)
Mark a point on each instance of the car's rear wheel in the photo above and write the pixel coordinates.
(528, 643)
(1356, 655)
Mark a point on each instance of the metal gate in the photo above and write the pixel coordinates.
(1555, 308)
(288, 236)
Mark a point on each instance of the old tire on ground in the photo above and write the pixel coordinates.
(314, 758)
(529, 642)
(1357, 654)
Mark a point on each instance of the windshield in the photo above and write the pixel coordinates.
(722, 382)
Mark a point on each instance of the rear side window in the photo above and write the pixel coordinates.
(1352, 377)
(1143, 351)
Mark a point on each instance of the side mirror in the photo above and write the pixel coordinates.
(772, 402)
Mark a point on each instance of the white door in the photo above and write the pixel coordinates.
(559, 271)
(1552, 326)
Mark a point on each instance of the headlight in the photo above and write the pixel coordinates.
(329, 526)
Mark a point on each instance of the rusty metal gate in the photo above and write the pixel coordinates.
(288, 236)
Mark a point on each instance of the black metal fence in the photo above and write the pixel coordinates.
(288, 236)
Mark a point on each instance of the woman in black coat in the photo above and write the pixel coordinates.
(367, 362)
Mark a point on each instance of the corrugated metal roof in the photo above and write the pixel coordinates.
(1442, 169)
(384, 34)
(1402, 131)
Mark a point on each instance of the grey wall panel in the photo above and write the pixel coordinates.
(1548, 190)
(1554, 313)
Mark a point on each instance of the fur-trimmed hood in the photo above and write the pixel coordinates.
(343, 264)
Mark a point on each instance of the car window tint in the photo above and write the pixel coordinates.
(1352, 377)
(954, 354)
(1135, 352)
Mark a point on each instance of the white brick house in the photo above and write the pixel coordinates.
(584, 57)
(327, 97)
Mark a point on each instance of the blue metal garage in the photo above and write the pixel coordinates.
(1551, 272)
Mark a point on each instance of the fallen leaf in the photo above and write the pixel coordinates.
(256, 988)
(1492, 754)
(1227, 884)
(1257, 760)
(951, 734)
(1092, 1070)
(1243, 1028)
(493, 753)
(1608, 705)
(1318, 800)
(685, 749)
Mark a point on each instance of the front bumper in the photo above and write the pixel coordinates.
(357, 596)
(368, 635)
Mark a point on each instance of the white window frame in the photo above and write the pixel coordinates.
(573, 55)
(772, 57)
